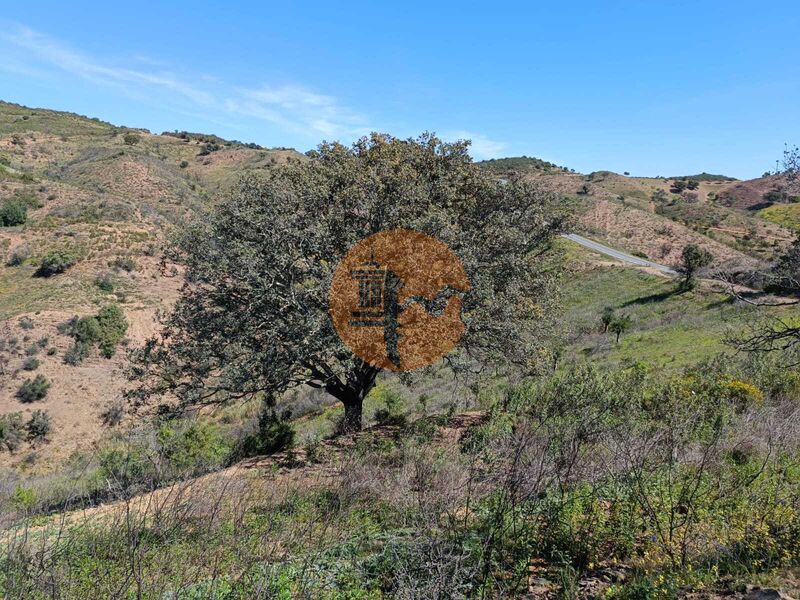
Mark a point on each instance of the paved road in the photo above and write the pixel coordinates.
(624, 257)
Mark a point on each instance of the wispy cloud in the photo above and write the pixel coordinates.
(482, 147)
(291, 107)
(295, 107)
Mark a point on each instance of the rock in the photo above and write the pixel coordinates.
(758, 593)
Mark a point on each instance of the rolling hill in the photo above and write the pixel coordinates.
(108, 196)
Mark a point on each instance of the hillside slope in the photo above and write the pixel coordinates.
(108, 196)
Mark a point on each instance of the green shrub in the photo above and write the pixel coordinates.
(33, 389)
(131, 139)
(105, 282)
(106, 329)
(126, 465)
(87, 330)
(390, 413)
(274, 433)
(13, 212)
(39, 426)
(23, 498)
(31, 363)
(76, 353)
(184, 164)
(56, 261)
(11, 430)
(113, 326)
(195, 448)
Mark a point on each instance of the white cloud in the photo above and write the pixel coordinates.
(482, 147)
(293, 108)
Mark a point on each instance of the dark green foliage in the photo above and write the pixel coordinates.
(210, 139)
(519, 163)
(619, 325)
(274, 433)
(105, 281)
(131, 139)
(678, 186)
(12, 213)
(55, 262)
(76, 353)
(258, 268)
(693, 258)
(31, 363)
(183, 164)
(38, 426)
(106, 330)
(113, 326)
(34, 389)
(11, 431)
(208, 147)
(703, 177)
(607, 317)
(192, 448)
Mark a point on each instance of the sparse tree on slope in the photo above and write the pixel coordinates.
(619, 325)
(252, 318)
(693, 258)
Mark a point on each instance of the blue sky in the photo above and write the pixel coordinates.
(654, 88)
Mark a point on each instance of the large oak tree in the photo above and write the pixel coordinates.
(252, 317)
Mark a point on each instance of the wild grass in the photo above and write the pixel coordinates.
(670, 329)
(567, 473)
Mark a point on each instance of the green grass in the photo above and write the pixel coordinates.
(787, 215)
(669, 329)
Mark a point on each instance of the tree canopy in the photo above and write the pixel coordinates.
(252, 317)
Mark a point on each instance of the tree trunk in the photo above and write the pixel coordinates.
(352, 394)
(352, 416)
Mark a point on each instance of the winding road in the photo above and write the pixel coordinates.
(623, 256)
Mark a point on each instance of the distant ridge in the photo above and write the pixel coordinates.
(520, 163)
(705, 177)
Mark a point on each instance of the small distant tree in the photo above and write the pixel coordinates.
(678, 186)
(693, 258)
(607, 317)
(692, 184)
(131, 139)
(620, 325)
